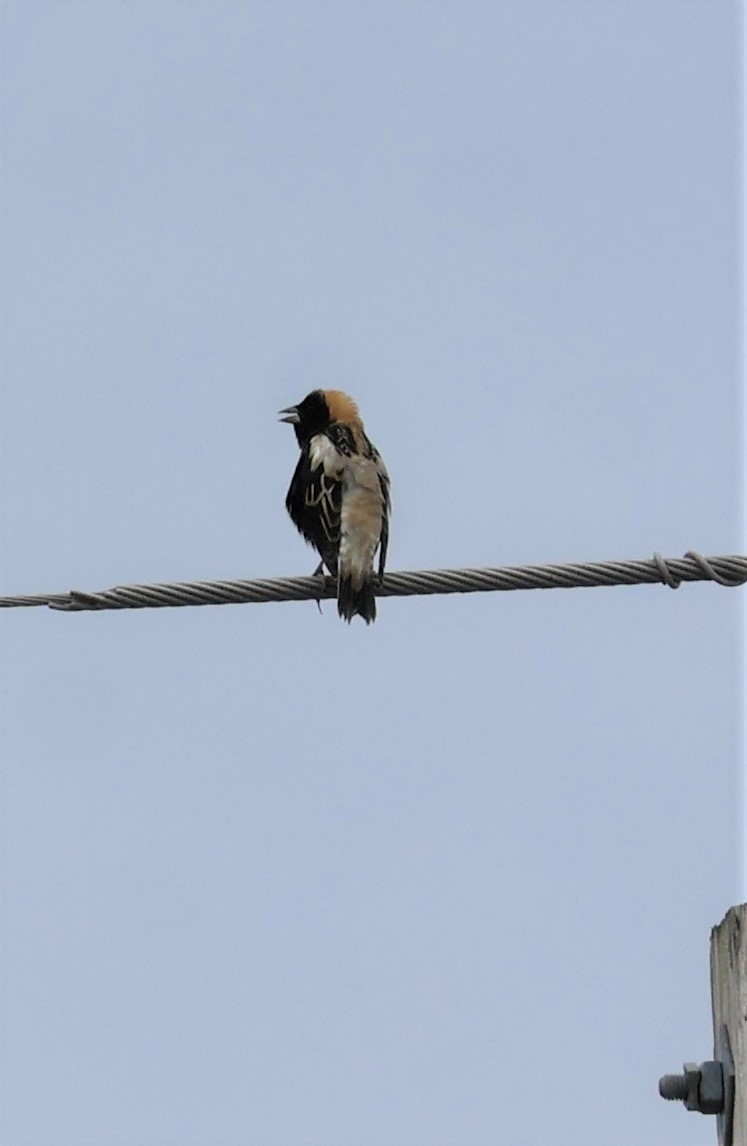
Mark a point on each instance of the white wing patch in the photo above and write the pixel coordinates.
(323, 452)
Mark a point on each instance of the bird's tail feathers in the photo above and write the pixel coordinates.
(356, 599)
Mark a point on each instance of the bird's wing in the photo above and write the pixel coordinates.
(314, 499)
(386, 510)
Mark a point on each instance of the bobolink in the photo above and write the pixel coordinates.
(339, 496)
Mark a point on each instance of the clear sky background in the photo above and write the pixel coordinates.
(274, 881)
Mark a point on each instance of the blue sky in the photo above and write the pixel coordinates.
(449, 879)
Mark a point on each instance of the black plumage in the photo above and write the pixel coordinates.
(314, 502)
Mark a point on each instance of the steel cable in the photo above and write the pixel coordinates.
(671, 571)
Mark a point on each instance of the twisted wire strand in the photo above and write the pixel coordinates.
(670, 571)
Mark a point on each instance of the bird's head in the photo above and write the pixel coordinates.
(318, 410)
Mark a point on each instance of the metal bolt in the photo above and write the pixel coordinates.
(673, 1087)
(708, 1088)
(701, 1087)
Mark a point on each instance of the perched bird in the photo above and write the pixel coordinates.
(339, 496)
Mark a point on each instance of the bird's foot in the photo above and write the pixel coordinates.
(319, 572)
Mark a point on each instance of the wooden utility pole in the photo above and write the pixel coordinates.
(729, 995)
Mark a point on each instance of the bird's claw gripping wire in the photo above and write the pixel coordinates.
(319, 572)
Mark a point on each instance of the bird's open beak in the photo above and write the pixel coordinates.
(290, 415)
